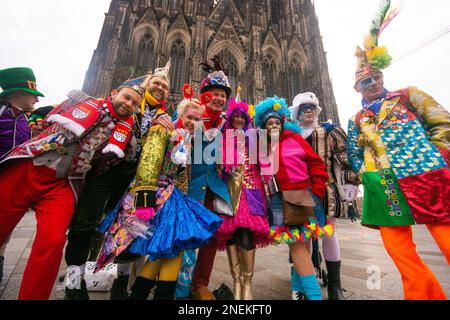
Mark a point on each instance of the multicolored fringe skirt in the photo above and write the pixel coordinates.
(317, 226)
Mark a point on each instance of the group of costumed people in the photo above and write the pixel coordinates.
(178, 202)
(225, 175)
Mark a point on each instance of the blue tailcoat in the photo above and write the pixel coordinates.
(204, 173)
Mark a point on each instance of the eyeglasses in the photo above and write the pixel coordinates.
(367, 82)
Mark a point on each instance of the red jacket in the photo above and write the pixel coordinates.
(316, 168)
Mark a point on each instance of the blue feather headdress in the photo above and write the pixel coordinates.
(274, 107)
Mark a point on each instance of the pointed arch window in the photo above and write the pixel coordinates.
(269, 75)
(294, 76)
(231, 64)
(178, 61)
(146, 57)
(276, 10)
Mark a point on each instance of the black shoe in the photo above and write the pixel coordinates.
(335, 291)
(1, 268)
(119, 290)
(336, 294)
(141, 289)
(297, 295)
(77, 294)
(165, 290)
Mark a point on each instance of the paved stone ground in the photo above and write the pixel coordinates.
(361, 248)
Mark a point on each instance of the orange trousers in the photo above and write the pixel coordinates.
(419, 282)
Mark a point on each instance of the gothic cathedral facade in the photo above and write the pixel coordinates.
(269, 47)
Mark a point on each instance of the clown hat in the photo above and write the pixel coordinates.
(217, 77)
(374, 58)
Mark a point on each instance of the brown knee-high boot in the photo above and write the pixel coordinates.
(236, 271)
(248, 264)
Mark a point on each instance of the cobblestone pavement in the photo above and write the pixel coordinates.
(363, 255)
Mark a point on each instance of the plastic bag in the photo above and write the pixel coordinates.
(103, 280)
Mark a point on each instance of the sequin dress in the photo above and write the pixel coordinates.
(250, 206)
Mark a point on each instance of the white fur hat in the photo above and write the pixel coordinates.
(304, 98)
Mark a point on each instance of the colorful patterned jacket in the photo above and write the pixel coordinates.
(142, 123)
(330, 143)
(401, 154)
(59, 149)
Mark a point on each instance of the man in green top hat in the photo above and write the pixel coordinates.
(19, 84)
(17, 98)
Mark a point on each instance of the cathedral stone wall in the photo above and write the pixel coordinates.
(269, 47)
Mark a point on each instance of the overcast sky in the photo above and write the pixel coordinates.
(56, 38)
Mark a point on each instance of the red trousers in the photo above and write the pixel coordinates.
(23, 186)
(204, 265)
(419, 282)
(206, 254)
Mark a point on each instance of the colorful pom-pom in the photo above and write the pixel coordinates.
(188, 92)
(206, 98)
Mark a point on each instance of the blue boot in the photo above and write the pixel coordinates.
(311, 287)
(297, 287)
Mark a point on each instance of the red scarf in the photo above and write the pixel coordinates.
(81, 117)
(211, 119)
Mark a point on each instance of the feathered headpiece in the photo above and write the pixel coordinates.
(217, 76)
(274, 107)
(375, 58)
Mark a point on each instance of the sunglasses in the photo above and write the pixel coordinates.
(367, 82)
(304, 108)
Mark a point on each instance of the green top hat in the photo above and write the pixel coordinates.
(15, 79)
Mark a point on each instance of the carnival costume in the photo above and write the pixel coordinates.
(105, 185)
(55, 164)
(249, 227)
(295, 171)
(14, 128)
(13, 121)
(299, 168)
(400, 143)
(329, 141)
(206, 186)
(155, 217)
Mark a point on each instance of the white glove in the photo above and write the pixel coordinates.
(351, 192)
